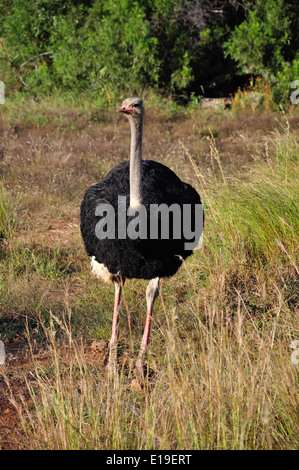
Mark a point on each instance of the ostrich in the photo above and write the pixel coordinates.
(140, 182)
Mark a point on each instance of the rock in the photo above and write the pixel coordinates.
(215, 103)
(99, 345)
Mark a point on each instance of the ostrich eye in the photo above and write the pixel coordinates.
(136, 105)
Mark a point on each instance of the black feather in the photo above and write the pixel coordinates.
(143, 259)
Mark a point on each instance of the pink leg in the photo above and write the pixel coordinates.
(117, 298)
(113, 341)
(152, 293)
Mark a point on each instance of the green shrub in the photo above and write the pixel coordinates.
(282, 87)
(266, 44)
(111, 51)
(181, 47)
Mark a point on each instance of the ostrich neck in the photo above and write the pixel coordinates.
(136, 162)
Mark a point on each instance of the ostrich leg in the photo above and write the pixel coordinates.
(152, 293)
(112, 362)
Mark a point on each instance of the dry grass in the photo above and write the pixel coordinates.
(220, 373)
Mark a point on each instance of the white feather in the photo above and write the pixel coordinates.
(100, 270)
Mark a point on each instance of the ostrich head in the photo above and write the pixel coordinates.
(132, 107)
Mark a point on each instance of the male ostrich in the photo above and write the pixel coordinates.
(143, 182)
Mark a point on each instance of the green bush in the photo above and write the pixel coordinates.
(266, 44)
(282, 87)
(182, 47)
(111, 50)
(110, 47)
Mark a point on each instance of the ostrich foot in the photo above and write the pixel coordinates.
(140, 369)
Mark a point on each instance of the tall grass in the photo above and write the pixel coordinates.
(221, 375)
(8, 213)
(224, 387)
(260, 213)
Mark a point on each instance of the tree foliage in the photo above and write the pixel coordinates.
(267, 43)
(202, 47)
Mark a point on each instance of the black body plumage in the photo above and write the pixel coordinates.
(143, 259)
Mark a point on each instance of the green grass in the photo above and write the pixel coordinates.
(8, 213)
(261, 213)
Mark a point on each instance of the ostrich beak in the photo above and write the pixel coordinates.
(125, 110)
